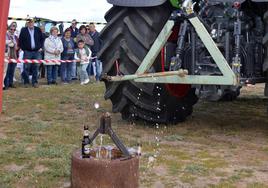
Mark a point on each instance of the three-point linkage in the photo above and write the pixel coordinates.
(106, 128)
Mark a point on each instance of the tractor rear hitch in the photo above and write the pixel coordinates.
(181, 73)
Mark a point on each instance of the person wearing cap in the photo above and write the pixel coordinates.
(31, 42)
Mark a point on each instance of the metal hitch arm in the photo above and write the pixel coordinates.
(173, 77)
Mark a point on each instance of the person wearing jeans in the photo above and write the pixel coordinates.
(33, 67)
(82, 55)
(97, 68)
(31, 42)
(12, 49)
(5, 69)
(53, 48)
(96, 63)
(67, 54)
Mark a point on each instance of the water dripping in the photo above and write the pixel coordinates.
(96, 105)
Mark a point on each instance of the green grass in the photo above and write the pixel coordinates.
(40, 128)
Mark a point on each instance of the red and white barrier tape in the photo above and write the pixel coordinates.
(47, 62)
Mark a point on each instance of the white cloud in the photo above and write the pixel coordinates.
(82, 10)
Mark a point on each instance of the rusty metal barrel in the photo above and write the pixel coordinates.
(102, 173)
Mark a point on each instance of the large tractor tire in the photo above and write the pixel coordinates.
(265, 43)
(127, 38)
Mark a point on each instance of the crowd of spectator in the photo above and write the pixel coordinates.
(80, 46)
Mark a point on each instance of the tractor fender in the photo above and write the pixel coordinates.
(260, 1)
(136, 3)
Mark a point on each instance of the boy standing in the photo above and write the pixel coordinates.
(83, 55)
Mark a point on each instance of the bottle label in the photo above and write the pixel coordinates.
(87, 149)
(86, 132)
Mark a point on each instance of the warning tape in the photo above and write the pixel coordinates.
(47, 61)
(52, 21)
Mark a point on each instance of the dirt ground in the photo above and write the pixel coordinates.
(222, 144)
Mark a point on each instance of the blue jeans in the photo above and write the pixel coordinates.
(10, 74)
(83, 72)
(73, 73)
(95, 68)
(66, 69)
(34, 67)
(52, 71)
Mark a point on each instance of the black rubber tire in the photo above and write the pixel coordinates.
(230, 95)
(265, 66)
(127, 37)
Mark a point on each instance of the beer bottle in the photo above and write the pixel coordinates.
(86, 143)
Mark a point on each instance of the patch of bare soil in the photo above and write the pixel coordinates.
(66, 185)
(30, 148)
(14, 168)
(159, 184)
(22, 183)
(160, 171)
(2, 135)
(40, 168)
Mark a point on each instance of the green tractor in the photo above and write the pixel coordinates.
(41, 22)
(160, 56)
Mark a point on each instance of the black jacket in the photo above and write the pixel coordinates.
(74, 33)
(25, 39)
(97, 43)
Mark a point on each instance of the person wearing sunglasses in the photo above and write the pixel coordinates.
(12, 53)
(15, 25)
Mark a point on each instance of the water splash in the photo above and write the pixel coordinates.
(96, 105)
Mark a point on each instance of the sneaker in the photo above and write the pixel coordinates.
(82, 83)
(86, 81)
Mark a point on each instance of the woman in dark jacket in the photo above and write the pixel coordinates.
(12, 44)
(67, 54)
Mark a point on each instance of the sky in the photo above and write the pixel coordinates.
(60, 10)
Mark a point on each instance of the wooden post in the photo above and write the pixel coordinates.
(4, 9)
